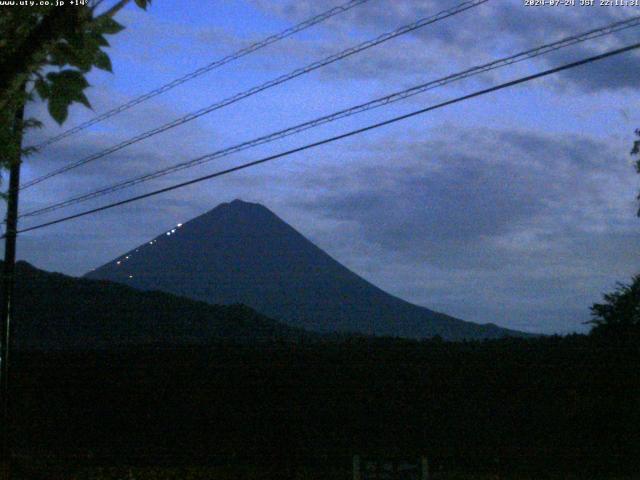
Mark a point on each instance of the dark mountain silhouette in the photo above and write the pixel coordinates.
(55, 311)
(243, 253)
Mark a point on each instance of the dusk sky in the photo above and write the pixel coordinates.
(516, 208)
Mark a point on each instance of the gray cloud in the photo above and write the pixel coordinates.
(506, 226)
(473, 37)
(463, 188)
(522, 229)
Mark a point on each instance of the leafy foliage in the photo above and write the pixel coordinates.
(48, 50)
(619, 315)
(636, 152)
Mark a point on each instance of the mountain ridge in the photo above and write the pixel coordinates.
(54, 311)
(240, 252)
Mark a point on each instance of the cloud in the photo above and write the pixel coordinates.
(468, 38)
(497, 225)
(508, 226)
(482, 182)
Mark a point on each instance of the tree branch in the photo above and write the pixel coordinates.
(115, 9)
(18, 66)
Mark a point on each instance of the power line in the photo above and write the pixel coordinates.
(272, 83)
(379, 102)
(207, 68)
(341, 136)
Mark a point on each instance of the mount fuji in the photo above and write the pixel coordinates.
(242, 253)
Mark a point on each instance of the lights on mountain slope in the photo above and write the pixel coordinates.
(151, 242)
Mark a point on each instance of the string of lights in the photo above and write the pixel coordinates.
(205, 69)
(270, 84)
(379, 102)
(351, 133)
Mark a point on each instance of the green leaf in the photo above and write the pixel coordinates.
(59, 55)
(102, 61)
(67, 81)
(42, 87)
(98, 39)
(66, 87)
(107, 26)
(78, 54)
(81, 53)
(82, 98)
(143, 3)
(58, 109)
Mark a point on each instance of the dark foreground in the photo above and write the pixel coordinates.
(535, 408)
(256, 473)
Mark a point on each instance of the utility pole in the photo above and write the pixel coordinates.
(6, 308)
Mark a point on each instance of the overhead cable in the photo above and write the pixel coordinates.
(379, 102)
(351, 133)
(252, 91)
(207, 68)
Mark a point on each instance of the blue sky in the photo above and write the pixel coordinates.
(515, 208)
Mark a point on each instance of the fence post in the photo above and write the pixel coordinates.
(356, 467)
(424, 462)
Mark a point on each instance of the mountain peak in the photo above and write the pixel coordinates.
(238, 204)
(241, 203)
(238, 207)
(242, 252)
